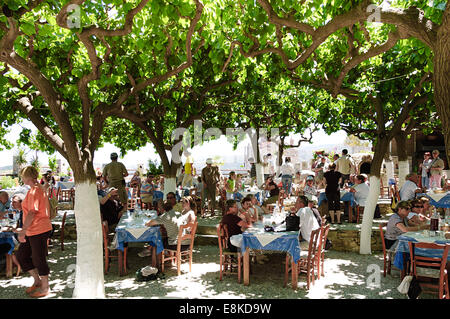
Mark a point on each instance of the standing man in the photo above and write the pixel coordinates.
(188, 170)
(210, 178)
(437, 165)
(333, 193)
(114, 174)
(344, 166)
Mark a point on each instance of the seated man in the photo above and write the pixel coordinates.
(5, 202)
(171, 220)
(308, 221)
(111, 208)
(410, 188)
(360, 190)
(172, 199)
(16, 206)
(247, 213)
(235, 225)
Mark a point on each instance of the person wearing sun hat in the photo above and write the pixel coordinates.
(114, 173)
(210, 178)
(309, 189)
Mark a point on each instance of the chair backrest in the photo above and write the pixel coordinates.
(65, 195)
(184, 235)
(324, 229)
(312, 249)
(383, 243)
(222, 236)
(418, 260)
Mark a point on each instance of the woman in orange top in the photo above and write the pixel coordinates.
(33, 236)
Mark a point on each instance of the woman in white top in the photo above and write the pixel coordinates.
(188, 205)
(287, 172)
(360, 190)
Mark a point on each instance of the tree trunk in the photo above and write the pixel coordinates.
(89, 279)
(170, 178)
(403, 164)
(374, 192)
(441, 78)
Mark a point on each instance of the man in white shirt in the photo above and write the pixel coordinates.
(308, 221)
(410, 188)
(360, 190)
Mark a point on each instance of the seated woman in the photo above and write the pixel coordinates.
(310, 189)
(259, 210)
(273, 189)
(247, 212)
(189, 209)
(398, 225)
(416, 216)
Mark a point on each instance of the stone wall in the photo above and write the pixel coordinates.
(349, 239)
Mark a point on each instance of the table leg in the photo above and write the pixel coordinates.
(247, 267)
(294, 274)
(154, 257)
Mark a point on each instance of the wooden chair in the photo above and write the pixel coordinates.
(108, 250)
(176, 255)
(386, 257)
(228, 259)
(305, 265)
(320, 257)
(433, 268)
(359, 213)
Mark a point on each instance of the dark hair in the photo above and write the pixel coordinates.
(332, 166)
(344, 151)
(191, 202)
(171, 193)
(229, 203)
(167, 206)
(303, 199)
(362, 178)
(287, 159)
(246, 199)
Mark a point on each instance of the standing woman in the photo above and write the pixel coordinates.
(32, 252)
(333, 193)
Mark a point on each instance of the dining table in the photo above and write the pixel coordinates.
(131, 228)
(424, 236)
(437, 198)
(256, 237)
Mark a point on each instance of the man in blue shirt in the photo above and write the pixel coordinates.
(5, 202)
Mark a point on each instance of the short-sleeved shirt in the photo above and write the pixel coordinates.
(37, 200)
(344, 165)
(392, 231)
(114, 172)
(210, 175)
(308, 222)
(287, 169)
(4, 207)
(332, 178)
(408, 191)
(187, 165)
(232, 222)
(231, 185)
(362, 191)
(172, 221)
(437, 163)
(147, 190)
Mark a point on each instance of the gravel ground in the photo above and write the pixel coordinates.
(347, 276)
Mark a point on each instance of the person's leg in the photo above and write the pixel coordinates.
(38, 245)
(289, 186)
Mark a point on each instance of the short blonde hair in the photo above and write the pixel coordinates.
(29, 172)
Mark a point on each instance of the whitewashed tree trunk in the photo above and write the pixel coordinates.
(89, 279)
(369, 210)
(259, 174)
(170, 185)
(403, 170)
(390, 170)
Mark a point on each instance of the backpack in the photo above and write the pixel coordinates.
(292, 223)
